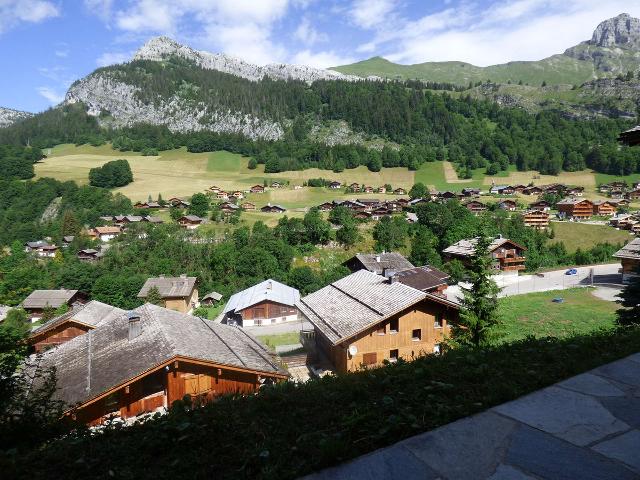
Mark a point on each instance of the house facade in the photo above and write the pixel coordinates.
(178, 293)
(629, 257)
(538, 219)
(508, 256)
(190, 222)
(578, 209)
(266, 303)
(40, 300)
(364, 319)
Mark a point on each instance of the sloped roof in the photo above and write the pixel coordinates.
(192, 218)
(467, 248)
(37, 244)
(378, 262)
(48, 298)
(92, 313)
(104, 358)
(422, 278)
(107, 230)
(630, 250)
(573, 201)
(169, 287)
(213, 296)
(268, 290)
(356, 302)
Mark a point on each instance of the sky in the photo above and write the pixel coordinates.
(45, 45)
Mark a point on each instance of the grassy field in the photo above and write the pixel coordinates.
(584, 236)
(536, 315)
(272, 341)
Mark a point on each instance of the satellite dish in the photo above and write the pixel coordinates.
(353, 350)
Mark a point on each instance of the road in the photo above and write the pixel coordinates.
(606, 275)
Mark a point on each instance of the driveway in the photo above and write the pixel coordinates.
(597, 275)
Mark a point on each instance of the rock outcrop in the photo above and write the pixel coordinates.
(9, 116)
(620, 31)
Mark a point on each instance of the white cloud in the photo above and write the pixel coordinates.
(320, 59)
(111, 58)
(14, 12)
(371, 13)
(51, 95)
(309, 35)
(101, 8)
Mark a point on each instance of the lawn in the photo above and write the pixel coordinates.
(536, 315)
(583, 235)
(273, 341)
(605, 178)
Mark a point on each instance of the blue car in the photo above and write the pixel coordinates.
(571, 271)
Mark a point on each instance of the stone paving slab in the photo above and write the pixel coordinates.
(584, 428)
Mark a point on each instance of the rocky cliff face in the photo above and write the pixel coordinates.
(622, 31)
(9, 116)
(160, 48)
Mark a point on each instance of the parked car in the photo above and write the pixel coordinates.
(571, 271)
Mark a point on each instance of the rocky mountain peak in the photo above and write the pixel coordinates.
(9, 116)
(621, 31)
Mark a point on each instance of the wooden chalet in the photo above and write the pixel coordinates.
(77, 321)
(67, 240)
(518, 188)
(368, 189)
(152, 219)
(211, 298)
(470, 192)
(41, 249)
(574, 191)
(425, 279)
(214, 189)
(535, 218)
(354, 187)
(541, 205)
(417, 201)
(123, 220)
(629, 256)
(578, 209)
(613, 186)
(257, 189)
(121, 369)
(268, 208)
(447, 195)
(399, 191)
(507, 254)
(556, 188)
(362, 215)
(326, 206)
(335, 185)
(190, 222)
(222, 195)
(476, 207)
(381, 189)
(276, 185)
(379, 263)
(381, 211)
(532, 190)
(604, 208)
(106, 233)
(248, 206)
(40, 300)
(267, 303)
(502, 190)
(508, 205)
(179, 203)
(365, 319)
(633, 194)
(89, 255)
(238, 195)
(177, 293)
(228, 208)
(147, 205)
(369, 203)
(630, 137)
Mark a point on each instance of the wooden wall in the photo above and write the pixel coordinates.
(380, 340)
(267, 309)
(58, 335)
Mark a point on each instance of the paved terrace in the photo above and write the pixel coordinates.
(584, 428)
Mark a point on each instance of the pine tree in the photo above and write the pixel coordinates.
(480, 302)
(154, 297)
(630, 300)
(70, 224)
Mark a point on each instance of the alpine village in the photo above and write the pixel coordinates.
(217, 266)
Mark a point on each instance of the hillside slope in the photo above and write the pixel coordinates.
(614, 48)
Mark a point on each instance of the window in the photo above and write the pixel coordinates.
(381, 330)
(437, 323)
(436, 349)
(393, 326)
(370, 358)
(416, 335)
(393, 355)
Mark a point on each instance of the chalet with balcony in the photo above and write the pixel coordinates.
(368, 189)
(629, 256)
(574, 191)
(222, 195)
(71, 324)
(40, 300)
(365, 319)
(538, 219)
(41, 249)
(211, 298)
(179, 203)
(399, 191)
(476, 207)
(335, 185)
(508, 205)
(257, 189)
(604, 208)
(382, 189)
(177, 293)
(575, 208)
(228, 208)
(276, 185)
(470, 192)
(507, 255)
(105, 234)
(89, 255)
(268, 208)
(630, 137)
(214, 189)
(633, 194)
(248, 206)
(541, 205)
(190, 222)
(267, 303)
(532, 190)
(120, 369)
(238, 195)
(354, 187)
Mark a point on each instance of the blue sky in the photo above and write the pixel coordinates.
(47, 44)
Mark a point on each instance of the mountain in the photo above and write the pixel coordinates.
(9, 116)
(614, 48)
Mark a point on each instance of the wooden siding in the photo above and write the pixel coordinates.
(58, 335)
(267, 310)
(381, 340)
(182, 304)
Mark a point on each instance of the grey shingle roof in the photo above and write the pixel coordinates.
(467, 248)
(213, 296)
(422, 278)
(268, 290)
(92, 313)
(48, 298)
(630, 250)
(378, 262)
(169, 287)
(104, 358)
(356, 302)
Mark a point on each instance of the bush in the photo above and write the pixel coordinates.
(116, 173)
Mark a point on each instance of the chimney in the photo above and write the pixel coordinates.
(269, 285)
(378, 258)
(135, 328)
(390, 274)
